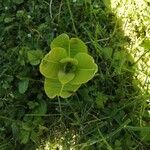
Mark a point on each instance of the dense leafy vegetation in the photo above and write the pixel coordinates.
(108, 112)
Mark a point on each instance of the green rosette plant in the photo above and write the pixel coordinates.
(66, 66)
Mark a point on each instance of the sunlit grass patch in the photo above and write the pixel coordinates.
(135, 18)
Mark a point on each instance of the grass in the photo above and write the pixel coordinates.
(109, 112)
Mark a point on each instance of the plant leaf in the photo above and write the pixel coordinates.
(34, 136)
(61, 41)
(23, 85)
(77, 46)
(86, 68)
(41, 108)
(34, 56)
(71, 60)
(65, 77)
(24, 136)
(50, 64)
(53, 88)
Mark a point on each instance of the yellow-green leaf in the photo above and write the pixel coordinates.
(53, 88)
(77, 46)
(50, 64)
(65, 77)
(61, 41)
(86, 68)
(71, 60)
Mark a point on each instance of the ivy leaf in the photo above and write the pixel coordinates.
(61, 41)
(77, 46)
(50, 64)
(23, 85)
(35, 56)
(53, 88)
(86, 68)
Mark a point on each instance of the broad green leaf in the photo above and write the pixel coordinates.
(84, 75)
(53, 88)
(50, 64)
(61, 41)
(65, 77)
(23, 85)
(77, 46)
(86, 68)
(71, 60)
(35, 56)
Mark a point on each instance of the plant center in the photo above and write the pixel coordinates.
(69, 67)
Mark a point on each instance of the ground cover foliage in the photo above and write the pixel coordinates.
(108, 112)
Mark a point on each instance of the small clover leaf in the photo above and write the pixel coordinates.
(66, 66)
(34, 56)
